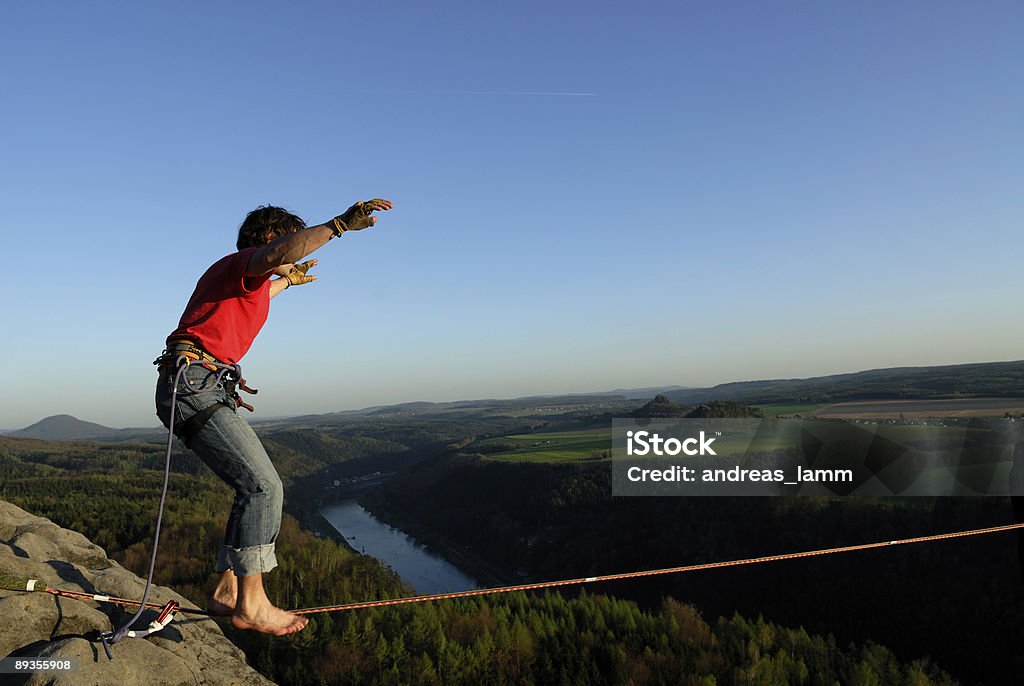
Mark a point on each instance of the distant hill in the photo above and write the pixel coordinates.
(978, 380)
(662, 407)
(723, 409)
(646, 392)
(992, 379)
(63, 427)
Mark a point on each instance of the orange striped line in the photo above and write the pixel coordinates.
(653, 572)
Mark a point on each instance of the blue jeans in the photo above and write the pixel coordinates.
(229, 446)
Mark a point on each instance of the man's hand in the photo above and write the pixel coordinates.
(358, 216)
(297, 276)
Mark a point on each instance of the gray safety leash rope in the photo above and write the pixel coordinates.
(109, 638)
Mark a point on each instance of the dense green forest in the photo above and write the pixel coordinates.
(960, 602)
(109, 492)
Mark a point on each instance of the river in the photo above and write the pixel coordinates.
(424, 570)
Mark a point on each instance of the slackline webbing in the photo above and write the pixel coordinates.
(655, 572)
(12, 583)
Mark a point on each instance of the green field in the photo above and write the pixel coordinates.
(556, 446)
(787, 433)
(595, 444)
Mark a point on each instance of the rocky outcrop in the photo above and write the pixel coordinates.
(191, 650)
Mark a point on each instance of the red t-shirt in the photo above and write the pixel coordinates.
(227, 309)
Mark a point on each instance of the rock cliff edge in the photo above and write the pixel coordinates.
(191, 650)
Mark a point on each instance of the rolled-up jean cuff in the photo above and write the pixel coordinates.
(257, 559)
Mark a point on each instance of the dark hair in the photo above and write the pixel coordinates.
(266, 223)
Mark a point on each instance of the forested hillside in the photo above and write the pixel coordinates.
(558, 520)
(998, 379)
(109, 492)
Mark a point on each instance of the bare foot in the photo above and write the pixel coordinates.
(269, 620)
(222, 600)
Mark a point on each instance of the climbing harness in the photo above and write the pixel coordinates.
(228, 377)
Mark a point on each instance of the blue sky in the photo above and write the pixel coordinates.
(588, 195)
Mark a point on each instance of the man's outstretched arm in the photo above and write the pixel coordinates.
(292, 275)
(294, 246)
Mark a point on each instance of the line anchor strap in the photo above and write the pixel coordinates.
(165, 617)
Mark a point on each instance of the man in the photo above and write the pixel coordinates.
(228, 308)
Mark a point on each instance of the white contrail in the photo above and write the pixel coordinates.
(454, 92)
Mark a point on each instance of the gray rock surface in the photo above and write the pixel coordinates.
(191, 650)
